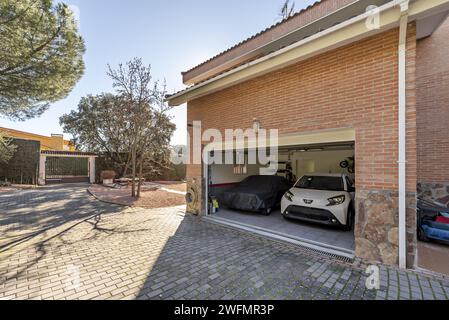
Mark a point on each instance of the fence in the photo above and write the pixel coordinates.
(62, 167)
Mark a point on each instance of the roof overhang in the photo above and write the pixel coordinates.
(349, 31)
(351, 10)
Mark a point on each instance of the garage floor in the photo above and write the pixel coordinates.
(433, 256)
(302, 231)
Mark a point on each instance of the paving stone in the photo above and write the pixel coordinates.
(93, 250)
(153, 294)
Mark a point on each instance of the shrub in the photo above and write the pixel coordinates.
(108, 174)
(5, 184)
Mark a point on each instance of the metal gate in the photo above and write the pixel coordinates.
(66, 169)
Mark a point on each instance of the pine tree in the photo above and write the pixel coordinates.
(41, 56)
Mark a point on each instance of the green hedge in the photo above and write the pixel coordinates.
(23, 167)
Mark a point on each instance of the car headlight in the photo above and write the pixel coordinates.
(289, 196)
(334, 201)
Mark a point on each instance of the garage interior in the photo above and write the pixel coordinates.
(302, 160)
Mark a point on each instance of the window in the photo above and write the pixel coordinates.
(240, 167)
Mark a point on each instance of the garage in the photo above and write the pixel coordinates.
(333, 73)
(312, 226)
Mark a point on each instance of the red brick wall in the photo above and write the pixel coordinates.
(433, 107)
(354, 86)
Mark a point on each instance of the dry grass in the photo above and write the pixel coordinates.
(173, 185)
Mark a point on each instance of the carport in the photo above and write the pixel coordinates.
(320, 152)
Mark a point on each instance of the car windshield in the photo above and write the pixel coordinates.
(320, 183)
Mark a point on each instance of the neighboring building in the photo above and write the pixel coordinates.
(59, 161)
(54, 142)
(332, 80)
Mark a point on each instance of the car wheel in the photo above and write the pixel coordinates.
(267, 212)
(422, 235)
(350, 220)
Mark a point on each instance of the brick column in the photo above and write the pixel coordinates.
(92, 169)
(41, 178)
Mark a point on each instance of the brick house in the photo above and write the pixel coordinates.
(325, 76)
(55, 142)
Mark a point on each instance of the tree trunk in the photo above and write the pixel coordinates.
(140, 177)
(128, 161)
(133, 183)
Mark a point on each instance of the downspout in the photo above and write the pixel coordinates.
(402, 135)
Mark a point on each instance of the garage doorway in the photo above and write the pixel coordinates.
(294, 162)
(433, 230)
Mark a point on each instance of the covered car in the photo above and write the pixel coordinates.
(257, 194)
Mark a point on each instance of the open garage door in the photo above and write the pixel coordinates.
(317, 227)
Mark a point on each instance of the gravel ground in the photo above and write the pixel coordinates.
(148, 199)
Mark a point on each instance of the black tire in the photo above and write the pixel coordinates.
(422, 235)
(267, 211)
(350, 220)
(344, 164)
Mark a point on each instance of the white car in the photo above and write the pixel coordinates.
(322, 198)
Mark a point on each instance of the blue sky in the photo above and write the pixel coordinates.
(172, 36)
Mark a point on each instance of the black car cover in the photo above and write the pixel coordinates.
(257, 193)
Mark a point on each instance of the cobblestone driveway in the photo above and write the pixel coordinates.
(60, 243)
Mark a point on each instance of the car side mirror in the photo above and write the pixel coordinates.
(351, 189)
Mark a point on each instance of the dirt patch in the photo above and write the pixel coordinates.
(7, 189)
(148, 199)
(173, 185)
(16, 187)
